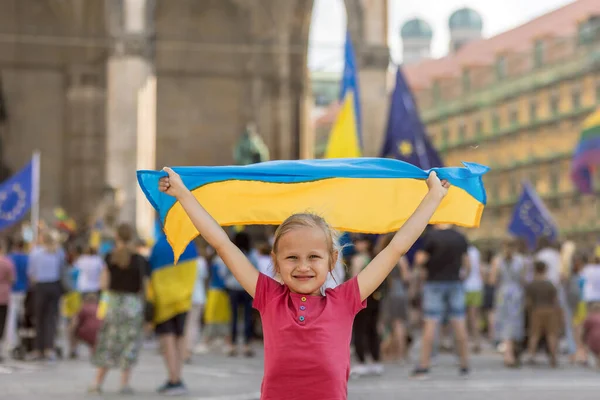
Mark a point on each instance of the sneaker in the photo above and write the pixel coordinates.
(463, 372)
(376, 369)
(93, 389)
(359, 370)
(201, 349)
(420, 373)
(173, 389)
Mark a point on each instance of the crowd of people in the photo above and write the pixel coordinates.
(446, 294)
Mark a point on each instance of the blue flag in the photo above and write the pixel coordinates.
(531, 219)
(350, 82)
(17, 194)
(406, 138)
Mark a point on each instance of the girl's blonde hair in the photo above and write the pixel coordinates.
(308, 220)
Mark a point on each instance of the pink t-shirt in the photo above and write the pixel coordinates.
(307, 340)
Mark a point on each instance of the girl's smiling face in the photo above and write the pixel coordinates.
(303, 259)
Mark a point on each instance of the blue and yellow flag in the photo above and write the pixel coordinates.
(171, 285)
(368, 195)
(345, 137)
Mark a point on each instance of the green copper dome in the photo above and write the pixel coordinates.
(416, 28)
(465, 18)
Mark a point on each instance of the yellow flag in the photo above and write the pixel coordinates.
(343, 140)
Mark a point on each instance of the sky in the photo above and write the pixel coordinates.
(329, 24)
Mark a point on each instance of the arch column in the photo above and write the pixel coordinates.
(130, 129)
(367, 23)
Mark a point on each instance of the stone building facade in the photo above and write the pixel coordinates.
(516, 102)
(74, 73)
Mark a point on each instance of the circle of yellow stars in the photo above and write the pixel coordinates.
(18, 208)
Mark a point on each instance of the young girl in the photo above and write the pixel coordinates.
(306, 335)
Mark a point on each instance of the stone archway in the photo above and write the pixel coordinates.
(367, 24)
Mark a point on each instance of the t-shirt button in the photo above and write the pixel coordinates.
(301, 318)
(303, 299)
(302, 308)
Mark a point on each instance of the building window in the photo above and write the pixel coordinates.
(576, 98)
(466, 80)
(533, 179)
(501, 68)
(589, 30)
(533, 110)
(554, 104)
(538, 54)
(554, 179)
(494, 189)
(514, 116)
(445, 136)
(495, 121)
(513, 189)
(462, 131)
(479, 128)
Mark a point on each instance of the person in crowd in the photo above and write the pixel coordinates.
(550, 255)
(396, 301)
(19, 257)
(366, 322)
(172, 298)
(509, 271)
(84, 326)
(591, 331)
(474, 296)
(574, 290)
(120, 337)
(443, 257)
(263, 259)
(541, 301)
(591, 281)
(7, 278)
(192, 323)
(45, 268)
(238, 297)
(591, 298)
(217, 316)
(489, 296)
(90, 266)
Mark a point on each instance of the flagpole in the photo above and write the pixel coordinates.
(35, 195)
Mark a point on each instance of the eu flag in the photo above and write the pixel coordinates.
(17, 194)
(406, 138)
(531, 219)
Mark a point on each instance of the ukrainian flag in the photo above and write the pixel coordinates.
(171, 285)
(345, 138)
(368, 195)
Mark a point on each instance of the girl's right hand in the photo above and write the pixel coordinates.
(172, 184)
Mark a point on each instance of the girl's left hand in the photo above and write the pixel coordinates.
(436, 186)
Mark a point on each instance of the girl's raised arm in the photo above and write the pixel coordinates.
(373, 275)
(211, 231)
